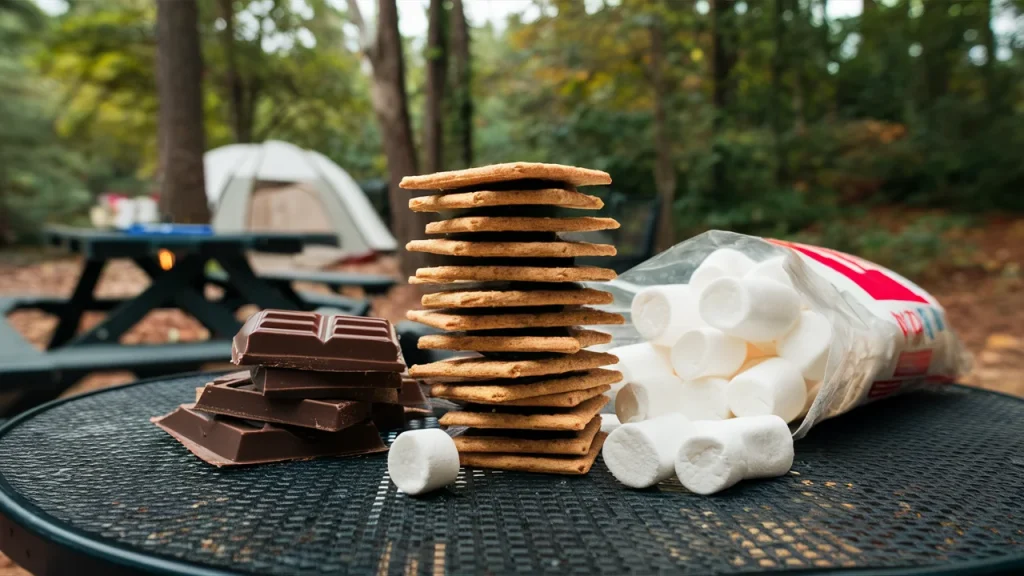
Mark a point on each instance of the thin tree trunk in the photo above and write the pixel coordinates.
(721, 65)
(240, 123)
(778, 34)
(987, 70)
(664, 171)
(179, 69)
(935, 41)
(461, 85)
(437, 64)
(390, 105)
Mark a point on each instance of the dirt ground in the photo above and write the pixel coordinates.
(984, 299)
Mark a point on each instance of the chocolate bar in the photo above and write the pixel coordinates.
(235, 395)
(321, 342)
(388, 416)
(225, 441)
(361, 386)
(411, 397)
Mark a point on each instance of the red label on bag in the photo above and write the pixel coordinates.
(874, 283)
(914, 363)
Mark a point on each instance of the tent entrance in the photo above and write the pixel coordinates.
(292, 207)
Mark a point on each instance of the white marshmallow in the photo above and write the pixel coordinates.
(642, 454)
(704, 399)
(639, 401)
(609, 423)
(772, 269)
(769, 445)
(707, 352)
(717, 455)
(775, 386)
(722, 263)
(662, 313)
(711, 459)
(807, 345)
(420, 461)
(641, 362)
(753, 309)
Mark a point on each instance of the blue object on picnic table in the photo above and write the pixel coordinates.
(169, 230)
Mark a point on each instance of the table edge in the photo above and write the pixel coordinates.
(57, 533)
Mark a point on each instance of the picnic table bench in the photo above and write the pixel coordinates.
(198, 260)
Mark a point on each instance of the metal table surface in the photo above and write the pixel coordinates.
(930, 482)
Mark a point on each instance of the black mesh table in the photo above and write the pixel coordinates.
(925, 483)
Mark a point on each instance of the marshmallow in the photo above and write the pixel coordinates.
(754, 309)
(609, 422)
(722, 263)
(641, 362)
(423, 460)
(769, 445)
(772, 269)
(711, 459)
(775, 386)
(704, 399)
(707, 352)
(762, 349)
(642, 454)
(807, 345)
(662, 313)
(717, 455)
(639, 401)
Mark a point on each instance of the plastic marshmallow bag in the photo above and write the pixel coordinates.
(888, 334)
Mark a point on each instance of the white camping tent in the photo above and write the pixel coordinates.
(281, 187)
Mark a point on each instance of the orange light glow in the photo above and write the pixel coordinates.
(166, 258)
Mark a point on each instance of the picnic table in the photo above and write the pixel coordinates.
(198, 260)
(927, 483)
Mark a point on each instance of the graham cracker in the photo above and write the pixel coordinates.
(529, 442)
(545, 197)
(509, 298)
(567, 465)
(561, 400)
(505, 172)
(581, 316)
(511, 249)
(569, 344)
(520, 224)
(450, 274)
(501, 391)
(485, 368)
(575, 418)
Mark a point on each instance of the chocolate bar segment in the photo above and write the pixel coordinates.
(411, 397)
(225, 441)
(312, 341)
(235, 395)
(361, 386)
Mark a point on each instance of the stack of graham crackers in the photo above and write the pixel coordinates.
(533, 393)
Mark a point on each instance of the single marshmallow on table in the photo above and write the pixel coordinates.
(662, 313)
(807, 344)
(641, 362)
(650, 398)
(704, 399)
(774, 386)
(642, 454)
(420, 461)
(717, 455)
(707, 352)
(722, 263)
(754, 309)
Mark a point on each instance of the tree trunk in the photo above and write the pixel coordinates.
(935, 41)
(778, 55)
(388, 96)
(437, 64)
(721, 64)
(179, 71)
(989, 40)
(664, 170)
(241, 125)
(463, 95)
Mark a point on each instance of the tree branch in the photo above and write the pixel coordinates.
(365, 34)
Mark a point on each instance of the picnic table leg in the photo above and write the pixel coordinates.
(252, 288)
(163, 289)
(217, 318)
(71, 314)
